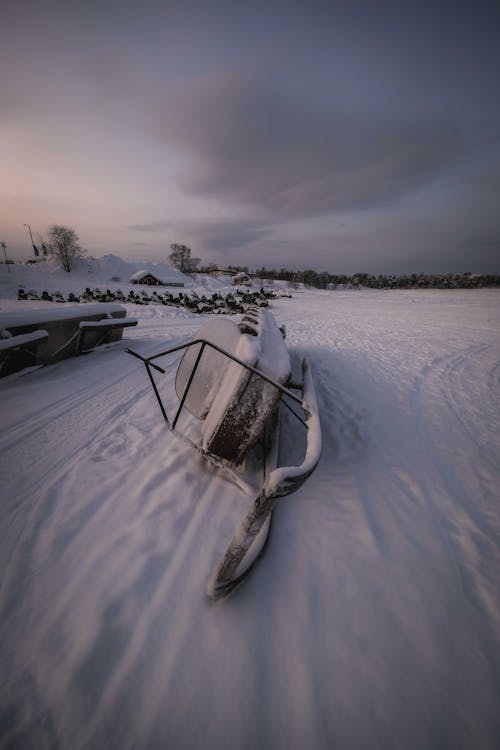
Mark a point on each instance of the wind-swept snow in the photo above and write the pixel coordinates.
(373, 620)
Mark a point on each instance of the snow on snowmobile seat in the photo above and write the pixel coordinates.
(234, 402)
(244, 401)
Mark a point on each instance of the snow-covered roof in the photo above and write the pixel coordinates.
(141, 274)
(164, 274)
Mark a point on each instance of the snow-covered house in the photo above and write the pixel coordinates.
(218, 272)
(242, 279)
(147, 277)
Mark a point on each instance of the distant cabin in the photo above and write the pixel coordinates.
(242, 279)
(146, 277)
(216, 272)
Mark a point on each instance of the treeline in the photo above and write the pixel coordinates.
(325, 280)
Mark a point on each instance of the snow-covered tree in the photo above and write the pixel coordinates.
(63, 242)
(180, 258)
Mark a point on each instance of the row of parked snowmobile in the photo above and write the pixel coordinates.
(233, 302)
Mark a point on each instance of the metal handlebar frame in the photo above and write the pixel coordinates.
(148, 362)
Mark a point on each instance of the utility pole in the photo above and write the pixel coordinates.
(4, 246)
(35, 251)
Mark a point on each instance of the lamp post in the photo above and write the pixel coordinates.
(35, 251)
(4, 246)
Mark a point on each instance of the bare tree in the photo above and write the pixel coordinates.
(180, 258)
(63, 242)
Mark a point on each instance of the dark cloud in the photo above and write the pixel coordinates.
(256, 147)
(152, 226)
(226, 235)
(483, 244)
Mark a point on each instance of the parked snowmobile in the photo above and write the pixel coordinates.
(234, 378)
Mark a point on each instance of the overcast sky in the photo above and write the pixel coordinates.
(341, 136)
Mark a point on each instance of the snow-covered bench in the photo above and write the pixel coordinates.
(63, 334)
(100, 325)
(95, 332)
(22, 348)
(22, 341)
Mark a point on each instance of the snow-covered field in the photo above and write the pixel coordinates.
(373, 620)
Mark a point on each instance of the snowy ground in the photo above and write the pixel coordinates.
(373, 621)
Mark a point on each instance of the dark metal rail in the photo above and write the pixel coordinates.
(148, 362)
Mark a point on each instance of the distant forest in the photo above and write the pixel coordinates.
(325, 280)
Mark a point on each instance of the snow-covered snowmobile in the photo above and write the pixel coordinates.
(234, 378)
